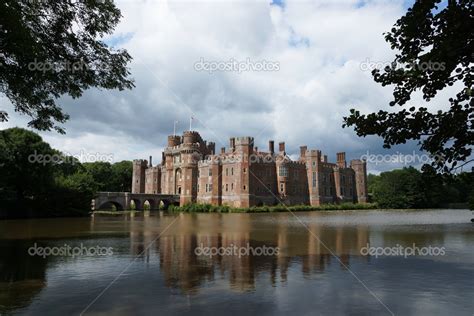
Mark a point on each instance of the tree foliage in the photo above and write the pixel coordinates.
(438, 44)
(410, 188)
(32, 185)
(54, 48)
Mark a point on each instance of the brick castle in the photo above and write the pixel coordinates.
(244, 176)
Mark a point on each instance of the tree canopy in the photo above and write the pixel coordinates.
(37, 180)
(438, 45)
(410, 188)
(54, 48)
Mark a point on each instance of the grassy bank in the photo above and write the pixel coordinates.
(207, 208)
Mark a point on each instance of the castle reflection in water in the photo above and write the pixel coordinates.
(313, 248)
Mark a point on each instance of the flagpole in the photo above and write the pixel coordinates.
(190, 123)
(174, 128)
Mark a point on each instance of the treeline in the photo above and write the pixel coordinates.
(39, 181)
(410, 188)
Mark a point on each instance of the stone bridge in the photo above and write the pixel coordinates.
(123, 200)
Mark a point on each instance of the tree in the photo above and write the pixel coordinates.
(400, 188)
(54, 48)
(26, 166)
(122, 176)
(438, 46)
(101, 172)
(74, 193)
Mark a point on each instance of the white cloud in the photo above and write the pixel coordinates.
(319, 46)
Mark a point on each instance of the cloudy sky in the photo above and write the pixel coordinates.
(321, 49)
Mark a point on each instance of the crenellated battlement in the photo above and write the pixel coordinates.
(242, 175)
(140, 162)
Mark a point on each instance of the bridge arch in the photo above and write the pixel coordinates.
(110, 204)
(137, 204)
(150, 204)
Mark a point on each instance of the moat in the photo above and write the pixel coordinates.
(153, 267)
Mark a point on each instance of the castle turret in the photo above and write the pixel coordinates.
(138, 176)
(303, 150)
(281, 148)
(191, 137)
(360, 169)
(174, 140)
(211, 147)
(341, 160)
(313, 166)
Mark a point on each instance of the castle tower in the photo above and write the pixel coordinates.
(138, 176)
(341, 160)
(313, 166)
(244, 148)
(187, 188)
(360, 169)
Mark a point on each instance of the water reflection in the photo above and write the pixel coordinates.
(183, 269)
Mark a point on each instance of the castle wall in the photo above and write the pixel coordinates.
(153, 180)
(242, 176)
(138, 176)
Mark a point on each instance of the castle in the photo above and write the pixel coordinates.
(244, 176)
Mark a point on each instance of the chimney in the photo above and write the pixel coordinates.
(271, 146)
(303, 151)
(232, 144)
(341, 160)
(223, 150)
(151, 165)
(281, 147)
(325, 159)
(256, 149)
(212, 147)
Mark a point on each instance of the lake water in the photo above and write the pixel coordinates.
(149, 264)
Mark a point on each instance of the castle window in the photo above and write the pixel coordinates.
(314, 179)
(210, 172)
(232, 171)
(226, 171)
(245, 187)
(283, 171)
(226, 187)
(281, 187)
(245, 171)
(232, 186)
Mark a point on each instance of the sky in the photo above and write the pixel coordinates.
(319, 53)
